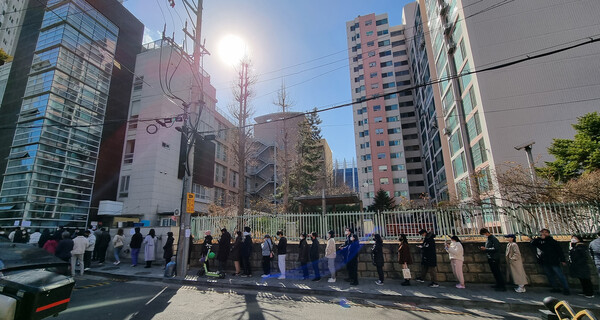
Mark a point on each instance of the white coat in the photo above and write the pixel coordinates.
(149, 248)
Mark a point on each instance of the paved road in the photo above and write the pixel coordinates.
(102, 298)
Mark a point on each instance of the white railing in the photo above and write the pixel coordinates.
(560, 219)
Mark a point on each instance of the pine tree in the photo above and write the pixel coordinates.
(307, 170)
(382, 201)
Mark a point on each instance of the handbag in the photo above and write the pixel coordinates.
(406, 273)
(271, 250)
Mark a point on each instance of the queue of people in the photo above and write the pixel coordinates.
(549, 255)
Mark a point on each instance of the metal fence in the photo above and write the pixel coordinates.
(560, 219)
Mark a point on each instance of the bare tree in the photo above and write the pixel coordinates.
(284, 103)
(242, 93)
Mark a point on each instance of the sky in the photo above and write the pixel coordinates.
(301, 43)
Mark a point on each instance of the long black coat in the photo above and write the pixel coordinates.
(304, 251)
(246, 247)
(236, 249)
(314, 250)
(428, 256)
(578, 262)
(168, 249)
(377, 254)
(224, 247)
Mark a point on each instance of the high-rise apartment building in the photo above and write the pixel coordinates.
(61, 114)
(428, 107)
(386, 129)
(150, 180)
(11, 19)
(486, 115)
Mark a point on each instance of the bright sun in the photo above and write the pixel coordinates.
(232, 49)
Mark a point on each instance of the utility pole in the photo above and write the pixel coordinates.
(189, 130)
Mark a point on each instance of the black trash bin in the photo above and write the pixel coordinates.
(40, 293)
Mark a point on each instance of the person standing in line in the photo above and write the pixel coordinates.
(377, 257)
(35, 237)
(345, 251)
(267, 255)
(64, 247)
(550, 256)
(51, 244)
(236, 252)
(207, 241)
(330, 255)
(595, 252)
(224, 249)
(118, 242)
(168, 248)
(492, 250)
(136, 245)
(102, 244)
(456, 252)
(314, 256)
(578, 265)
(246, 252)
(87, 257)
(77, 253)
(97, 233)
(44, 237)
(405, 259)
(514, 262)
(353, 250)
(303, 255)
(149, 244)
(428, 258)
(281, 254)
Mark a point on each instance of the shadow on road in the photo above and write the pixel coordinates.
(156, 305)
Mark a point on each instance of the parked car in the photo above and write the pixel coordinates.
(34, 284)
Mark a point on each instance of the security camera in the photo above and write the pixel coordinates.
(525, 145)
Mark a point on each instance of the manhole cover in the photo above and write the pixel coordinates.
(110, 268)
(143, 272)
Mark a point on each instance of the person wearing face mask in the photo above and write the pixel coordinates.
(456, 252)
(330, 255)
(492, 251)
(550, 256)
(345, 251)
(377, 257)
(405, 259)
(353, 249)
(428, 258)
(595, 252)
(578, 265)
(514, 263)
(236, 252)
(303, 256)
(281, 254)
(246, 252)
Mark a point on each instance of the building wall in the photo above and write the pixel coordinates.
(379, 65)
(532, 101)
(149, 184)
(11, 19)
(62, 78)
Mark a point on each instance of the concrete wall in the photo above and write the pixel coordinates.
(475, 268)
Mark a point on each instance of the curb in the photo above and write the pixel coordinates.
(413, 300)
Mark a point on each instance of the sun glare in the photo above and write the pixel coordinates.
(232, 49)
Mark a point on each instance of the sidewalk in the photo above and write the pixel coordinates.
(419, 294)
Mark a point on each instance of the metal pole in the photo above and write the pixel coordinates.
(190, 132)
(530, 163)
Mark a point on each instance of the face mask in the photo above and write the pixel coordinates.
(301, 238)
(574, 240)
(347, 233)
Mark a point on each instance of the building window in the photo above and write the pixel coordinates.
(394, 130)
(384, 181)
(391, 107)
(399, 180)
(381, 143)
(387, 74)
(459, 166)
(382, 32)
(124, 187)
(397, 33)
(383, 43)
(376, 108)
(378, 131)
(372, 64)
(138, 83)
(369, 195)
(381, 155)
(370, 43)
(381, 22)
(368, 22)
(386, 64)
(129, 150)
(373, 74)
(398, 167)
(392, 119)
(374, 85)
(395, 142)
(378, 119)
(385, 54)
(365, 157)
(369, 33)
(382, 168)
(396, 155)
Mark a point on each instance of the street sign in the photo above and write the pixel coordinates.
(189, 208)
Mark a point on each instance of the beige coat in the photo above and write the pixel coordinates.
(515, 264)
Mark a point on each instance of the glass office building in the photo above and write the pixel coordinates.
(51, 165)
